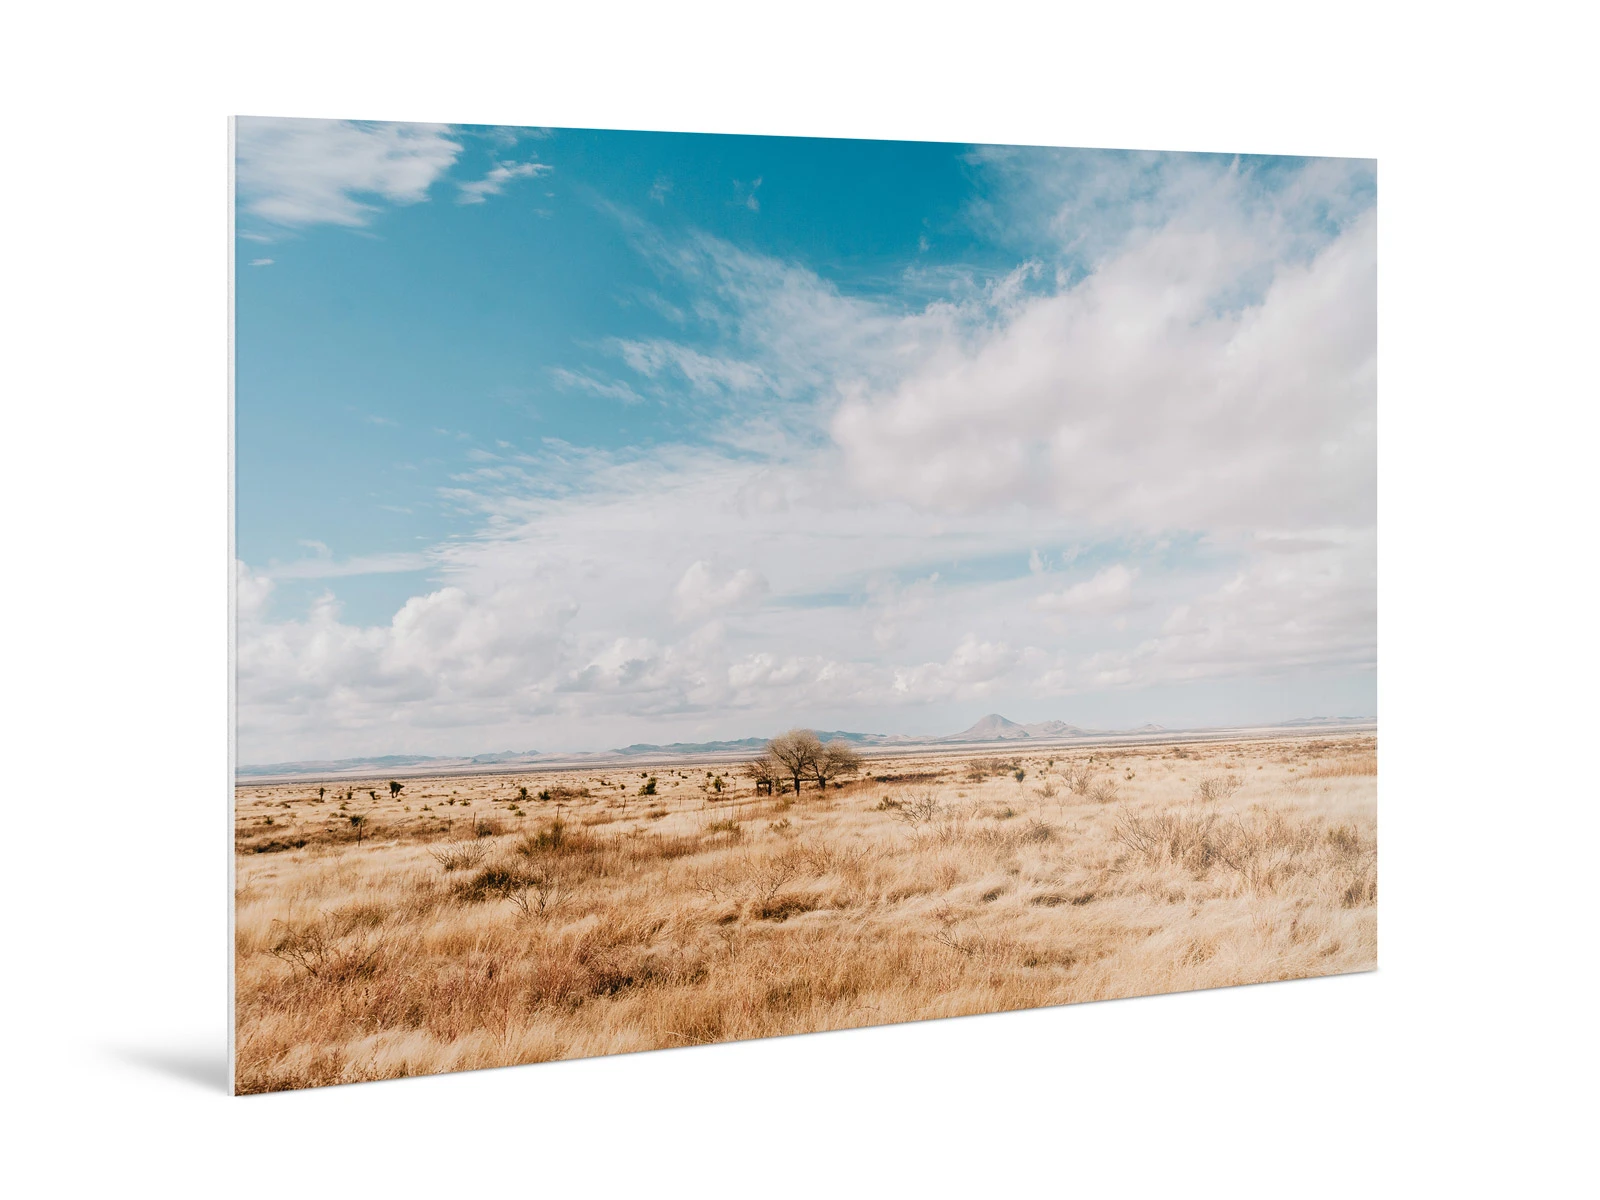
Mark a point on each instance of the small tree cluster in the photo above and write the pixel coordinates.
(800, 755)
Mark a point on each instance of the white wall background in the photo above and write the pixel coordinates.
(1465, 1065)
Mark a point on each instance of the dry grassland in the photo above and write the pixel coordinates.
(468, 923)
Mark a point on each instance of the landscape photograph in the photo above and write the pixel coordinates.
(691, 588)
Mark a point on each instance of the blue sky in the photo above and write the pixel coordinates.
(569, 439)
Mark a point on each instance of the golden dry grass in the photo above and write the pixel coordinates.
(461, 926)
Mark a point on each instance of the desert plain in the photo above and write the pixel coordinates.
(455, 922)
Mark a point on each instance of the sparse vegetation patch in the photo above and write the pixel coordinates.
(503, 921)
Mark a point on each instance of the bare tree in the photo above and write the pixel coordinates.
(797, 753)
(837, 758)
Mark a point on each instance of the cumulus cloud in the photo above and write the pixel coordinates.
(298, 172)
(1309, 608)
(972, 670)
(703, 591)
(447, 658)
(251, 592)
(1109, 591)
(1145, 397)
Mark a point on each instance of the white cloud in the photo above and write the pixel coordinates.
(1139, 399)
(897, 606)
(705, 373)
(446, 659)
(297, 172)
(1302, 609)
(587, 381)
(493, 183)
(703, 591)
(972, 670)
(260, 262)
(324, 566)
(251, 591)
(1109, 591)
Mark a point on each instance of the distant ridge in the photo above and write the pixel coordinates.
(751, 743)
(995, 728)
(987, 729)
(1300, 722)
(992, 728)
(385, 762)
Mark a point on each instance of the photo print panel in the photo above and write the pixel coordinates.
(693, 588)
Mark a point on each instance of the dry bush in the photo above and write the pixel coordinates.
(534, 891)
(1187, 838)
(459, 856)
(999, 838)
(980, 769)
(1037, 831)
(1213, 788)
(325, 950)
(1104, 792)
(920, 808)
(1263, 848)
(554, 838)
(1078, 777)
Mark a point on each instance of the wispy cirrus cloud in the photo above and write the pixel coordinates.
(325, 566)
(588, 381)
(492, 184)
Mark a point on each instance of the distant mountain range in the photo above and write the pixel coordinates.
(995, 728)
(988, 729)
(387, 762)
